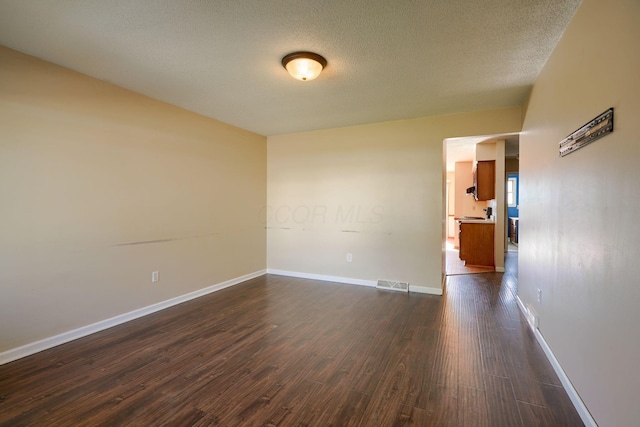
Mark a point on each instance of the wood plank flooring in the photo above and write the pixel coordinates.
(455, 266)
(278, 351)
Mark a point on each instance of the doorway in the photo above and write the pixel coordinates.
(460, 155)
(512, 193)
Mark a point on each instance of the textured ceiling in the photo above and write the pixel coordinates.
(387, 59)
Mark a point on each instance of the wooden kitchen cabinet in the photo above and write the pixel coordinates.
(476, 243)
(484, 179)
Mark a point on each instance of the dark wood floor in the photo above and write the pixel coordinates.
(278, 351)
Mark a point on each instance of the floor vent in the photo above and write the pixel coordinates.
(390, 285)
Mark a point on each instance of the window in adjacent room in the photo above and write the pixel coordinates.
(512, 184)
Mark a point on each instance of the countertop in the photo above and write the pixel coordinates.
(475, 221)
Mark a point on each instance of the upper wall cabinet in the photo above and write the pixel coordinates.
(484, 178)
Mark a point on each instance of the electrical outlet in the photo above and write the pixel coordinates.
(532, 317)
(154, 277)
(539, 296)
(349, 257)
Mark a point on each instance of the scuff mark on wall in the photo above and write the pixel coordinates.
(146, 242)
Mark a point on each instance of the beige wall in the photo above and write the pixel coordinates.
(375, 191)
(579, 238)
(100, 186)
(466, 204)
(486, 151)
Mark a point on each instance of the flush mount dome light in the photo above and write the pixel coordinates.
(304, 65)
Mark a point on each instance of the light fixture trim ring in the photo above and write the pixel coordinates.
(307, 55)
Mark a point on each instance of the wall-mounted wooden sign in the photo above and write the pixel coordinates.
(596, 128)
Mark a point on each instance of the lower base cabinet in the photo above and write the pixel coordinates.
(513, 230)
(476, 243)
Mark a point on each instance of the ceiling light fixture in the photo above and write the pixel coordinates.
(304, 66)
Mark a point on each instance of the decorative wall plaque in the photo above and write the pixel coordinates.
(596, 128)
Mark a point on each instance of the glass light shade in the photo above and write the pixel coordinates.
(304, 69)
(304, 66)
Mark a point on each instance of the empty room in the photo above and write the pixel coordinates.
(243, 213)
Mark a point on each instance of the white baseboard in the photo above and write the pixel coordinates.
(44, 344)
(425, 290)
(349, 280)
(500, 269)
(587, 419)
(322, 277)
